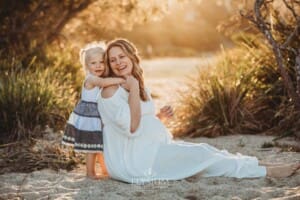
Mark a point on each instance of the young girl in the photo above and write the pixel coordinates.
(84, 127)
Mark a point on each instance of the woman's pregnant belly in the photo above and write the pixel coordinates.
(153, 130)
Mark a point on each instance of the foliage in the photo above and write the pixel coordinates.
(243, 93)
(257, 87)
(33, 24)
(281, 30)
(32, 98)
(217, 102)
(65, 61)
(156, 33)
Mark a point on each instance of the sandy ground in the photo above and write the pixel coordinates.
(48, 184)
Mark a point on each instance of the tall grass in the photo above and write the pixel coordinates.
(37, 92)
(241, 94)
(41, 93)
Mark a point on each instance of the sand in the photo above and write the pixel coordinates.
(49, 184)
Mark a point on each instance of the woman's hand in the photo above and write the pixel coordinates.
(131, 83)
(165, 112)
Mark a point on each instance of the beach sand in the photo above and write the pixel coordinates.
(49, 184)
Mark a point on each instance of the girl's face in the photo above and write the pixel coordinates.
(120, 63)
(95, 64)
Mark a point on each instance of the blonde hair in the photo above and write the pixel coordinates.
(131, 51)
(90, 49)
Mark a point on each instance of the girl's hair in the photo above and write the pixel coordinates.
(131, 51)
(90, 49)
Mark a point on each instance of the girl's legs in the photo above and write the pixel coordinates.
(281, 171)
(90, 165)
(102, 164)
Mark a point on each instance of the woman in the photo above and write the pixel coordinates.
(138, 147)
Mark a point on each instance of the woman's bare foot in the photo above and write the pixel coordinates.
(282, 171)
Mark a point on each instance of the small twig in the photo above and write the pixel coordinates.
(291, 9)
(291, 37)
(8, 144)
(248, 16)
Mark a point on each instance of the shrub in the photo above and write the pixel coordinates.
(32, 98)
(241, 94)
(214, 103)
(65, 61)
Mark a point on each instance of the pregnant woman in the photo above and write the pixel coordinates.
(138, 147)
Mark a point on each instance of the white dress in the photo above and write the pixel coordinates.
(150, 153)
(84, 128)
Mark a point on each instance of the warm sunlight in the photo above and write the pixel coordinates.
(150, 99)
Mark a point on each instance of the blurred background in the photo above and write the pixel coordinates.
(158, 28)
(209, 59)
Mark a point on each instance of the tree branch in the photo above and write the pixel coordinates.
(297, 66)
(70, 12)
(277, 51)
(291, 36)
(29, 20)
(291, 9)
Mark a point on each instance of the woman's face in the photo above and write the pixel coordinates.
(120, 63)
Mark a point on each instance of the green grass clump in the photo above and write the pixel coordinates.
(30, 99)
(37, 92)
(242, 93)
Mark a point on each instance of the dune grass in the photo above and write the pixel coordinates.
(242, 93)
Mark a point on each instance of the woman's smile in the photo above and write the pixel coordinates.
(120, 63)
(122, 67)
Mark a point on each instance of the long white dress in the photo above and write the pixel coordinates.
(150, 153)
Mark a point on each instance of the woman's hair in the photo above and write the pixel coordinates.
(131, 51)
(89, 50)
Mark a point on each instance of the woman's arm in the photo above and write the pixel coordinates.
(93, 81)
(134, 102)
(133, 110)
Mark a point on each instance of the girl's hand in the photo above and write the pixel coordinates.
(165, 113)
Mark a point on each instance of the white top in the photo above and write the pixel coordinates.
(85, 116)
(89, 95)
(150, 153)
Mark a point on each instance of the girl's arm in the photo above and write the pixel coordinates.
(93, 81)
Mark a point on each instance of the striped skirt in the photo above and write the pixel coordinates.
(84, 129)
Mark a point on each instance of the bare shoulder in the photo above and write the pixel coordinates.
(109, 91)
(88, 83)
